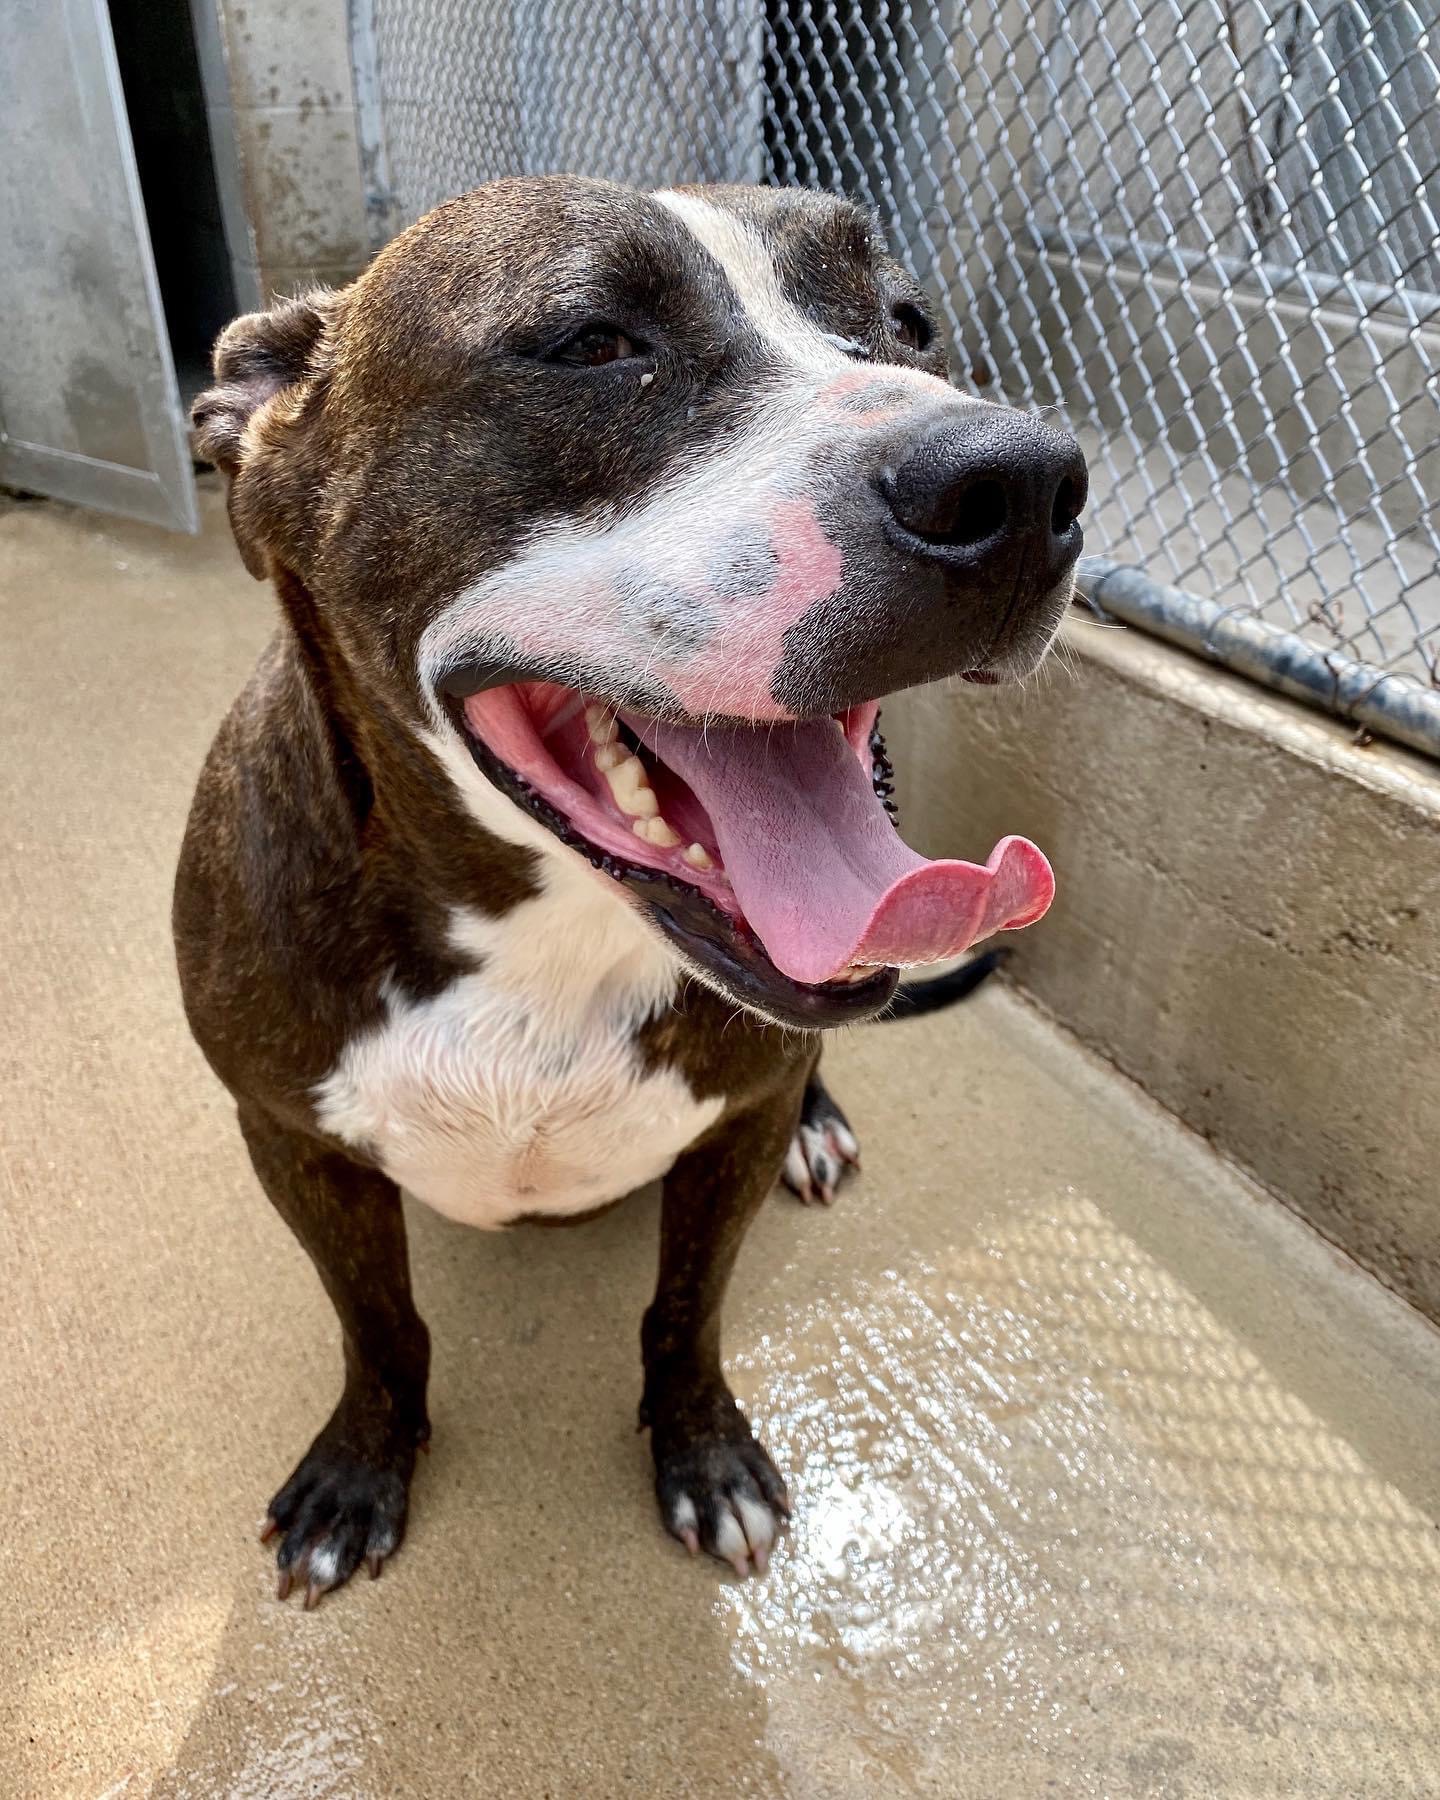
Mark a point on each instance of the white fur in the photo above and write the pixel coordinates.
(797, 1165)
(730, 1543)
(322, 1565)
(518, 1089)
(757, 1522)
(842, 1141)
(748, 265)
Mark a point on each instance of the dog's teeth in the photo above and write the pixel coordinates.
(697, 856)
(602, 726)
(610, 756)
(632, 790)
(657, 832)
(857, 972)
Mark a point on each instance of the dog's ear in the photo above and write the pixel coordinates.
(258, 359)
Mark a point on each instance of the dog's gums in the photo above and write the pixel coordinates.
(539, 726)
(766, 847)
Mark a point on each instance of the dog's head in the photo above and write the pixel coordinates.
(639, 503)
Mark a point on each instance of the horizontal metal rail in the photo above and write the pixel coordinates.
(1394, 706)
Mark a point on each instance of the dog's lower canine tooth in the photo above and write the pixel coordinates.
(697, 856)
(657, 832)
(632, 790)
(602, 726)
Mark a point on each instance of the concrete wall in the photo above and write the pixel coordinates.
(281, 109)
(1247, 922)
(460, 95)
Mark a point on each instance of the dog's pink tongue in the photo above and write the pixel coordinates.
(821, 874)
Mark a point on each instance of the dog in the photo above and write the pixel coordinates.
(551, 830)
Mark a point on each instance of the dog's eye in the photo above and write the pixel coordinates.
(911, 327)
(594, 346)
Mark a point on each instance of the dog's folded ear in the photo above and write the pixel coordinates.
(258, 359)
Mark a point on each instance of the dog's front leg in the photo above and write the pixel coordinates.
(718, 1490)
(347, 1497)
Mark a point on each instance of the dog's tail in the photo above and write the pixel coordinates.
(917, 997)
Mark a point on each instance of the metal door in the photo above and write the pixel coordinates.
(89, 408)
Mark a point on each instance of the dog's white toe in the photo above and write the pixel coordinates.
(818, 1158)
(760, 1527)
(684, 1523)
(726, 1498)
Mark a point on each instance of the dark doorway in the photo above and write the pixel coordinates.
(165, 102)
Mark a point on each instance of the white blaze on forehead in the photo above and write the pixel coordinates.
(751, 272)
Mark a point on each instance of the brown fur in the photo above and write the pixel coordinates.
(325, 847)
(381, 447)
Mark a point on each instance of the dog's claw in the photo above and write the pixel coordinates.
(268, 1530)
(726, 1498)
(337, 1511)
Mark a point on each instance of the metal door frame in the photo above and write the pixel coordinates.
(164, 494)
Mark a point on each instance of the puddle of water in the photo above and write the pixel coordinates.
(1047, 1506)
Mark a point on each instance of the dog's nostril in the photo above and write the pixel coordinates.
(979, 513)
(1069, 503)
(990, 485)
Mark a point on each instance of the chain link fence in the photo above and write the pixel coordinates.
(1205, 232)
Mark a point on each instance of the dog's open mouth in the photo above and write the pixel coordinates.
(764, 847)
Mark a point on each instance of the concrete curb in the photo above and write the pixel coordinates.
(1247, 922)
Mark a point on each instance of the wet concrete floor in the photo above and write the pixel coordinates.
(1111, 1479)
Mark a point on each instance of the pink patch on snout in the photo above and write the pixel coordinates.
(809, 562)
(735, 672)
(927, 389)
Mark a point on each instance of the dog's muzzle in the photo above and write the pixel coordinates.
(959, 544)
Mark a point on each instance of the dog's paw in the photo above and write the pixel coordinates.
(823, 1150)
(340, 1508)
(725, 1498)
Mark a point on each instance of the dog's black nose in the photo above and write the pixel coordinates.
(992, 492)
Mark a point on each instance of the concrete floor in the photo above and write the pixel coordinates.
(1111, 1478)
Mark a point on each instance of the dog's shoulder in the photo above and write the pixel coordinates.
(292, 903)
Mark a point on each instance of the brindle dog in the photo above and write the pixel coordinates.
(544, 839)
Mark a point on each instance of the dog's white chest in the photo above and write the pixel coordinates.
(521, 1088)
